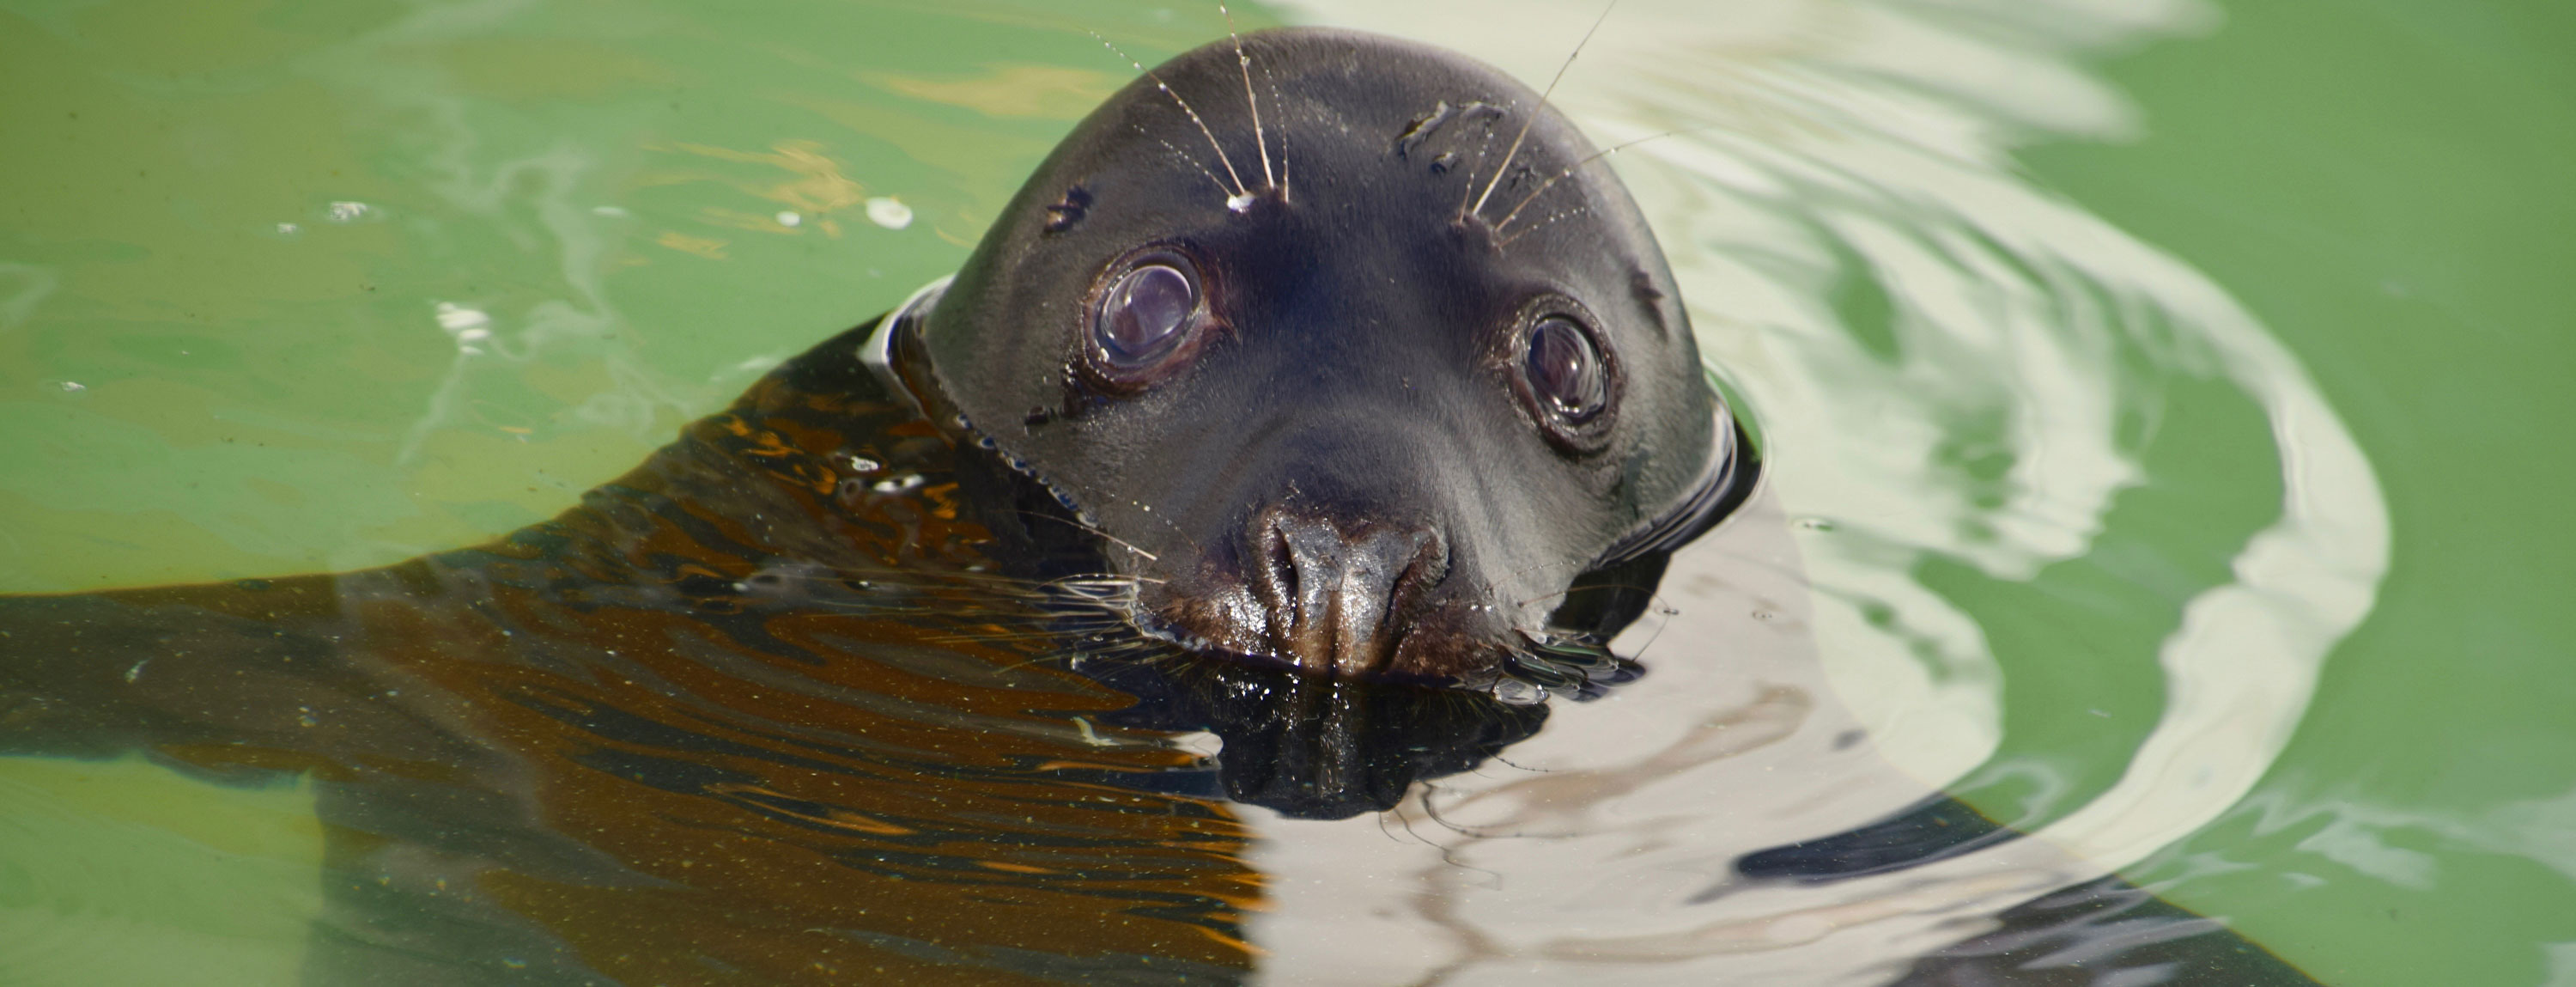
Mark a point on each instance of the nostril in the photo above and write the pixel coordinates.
(1280, 562)
(1425, 569)
(1339, 595)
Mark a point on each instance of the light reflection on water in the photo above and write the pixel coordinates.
(1953, 368)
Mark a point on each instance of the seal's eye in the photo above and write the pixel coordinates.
(1144, 315)
(1564, 370)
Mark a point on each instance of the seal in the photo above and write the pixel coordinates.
(1349, 354)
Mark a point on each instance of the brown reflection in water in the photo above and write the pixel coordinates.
(753, 713)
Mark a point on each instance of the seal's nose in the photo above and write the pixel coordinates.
(1339, 594)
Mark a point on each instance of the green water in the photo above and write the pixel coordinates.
(210, 370)
(2384, 183)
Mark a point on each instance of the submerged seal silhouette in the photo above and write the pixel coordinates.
(1347, 352)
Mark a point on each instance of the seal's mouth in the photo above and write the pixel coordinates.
(1335, 594)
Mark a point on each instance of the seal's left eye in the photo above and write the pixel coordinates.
(1144, 315)
(1564, 370)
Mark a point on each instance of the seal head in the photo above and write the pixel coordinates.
(1268, 329)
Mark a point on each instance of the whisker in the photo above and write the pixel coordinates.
(1648, 590)
(1447, 855)
(1544, 566)
(1282, 102)
(1596, 156)
(988, 638)
(1185, 108)
(1078, 525)
(1433, 811)
(1169, 523)
(1110, 578)
(1183, 155)
(1481, 149)
(1659, 629)
(1543, 96)
(1540, 225)
(1507, 762)
(1244, 62)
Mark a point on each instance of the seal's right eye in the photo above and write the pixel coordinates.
(1143, 323)
(1143, 314)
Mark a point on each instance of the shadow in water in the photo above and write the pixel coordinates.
(763, 710)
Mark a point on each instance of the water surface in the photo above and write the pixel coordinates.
(2145, 385)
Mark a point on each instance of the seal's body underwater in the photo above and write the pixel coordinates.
(1352, 355)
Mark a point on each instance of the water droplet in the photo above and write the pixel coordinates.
(74, 387)
(304, 716)
(349, 212)
(136, 672)
(863, 464)
(886, 212)
(790, 218)
(1514, 692)
(288, 229)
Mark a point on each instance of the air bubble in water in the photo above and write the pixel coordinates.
(889, 213)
